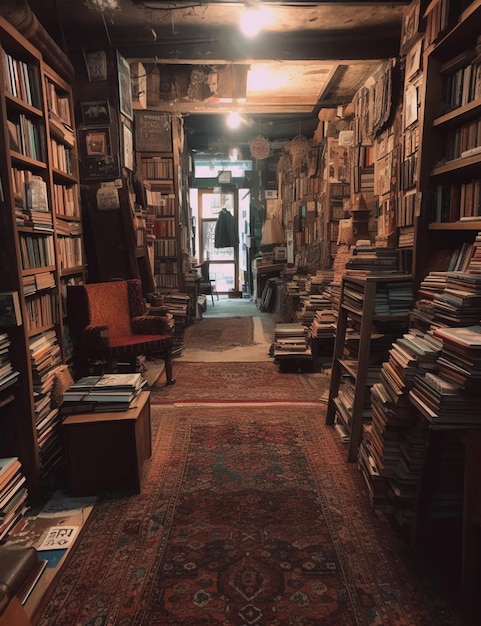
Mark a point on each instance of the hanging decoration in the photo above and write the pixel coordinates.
(260, 147)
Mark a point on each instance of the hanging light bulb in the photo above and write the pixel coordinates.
(254, 20)
(233, 120)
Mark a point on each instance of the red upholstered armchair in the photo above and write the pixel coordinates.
(109, 322)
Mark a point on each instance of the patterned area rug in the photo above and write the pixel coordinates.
(235, 382)
(220, 333)
(246, 518)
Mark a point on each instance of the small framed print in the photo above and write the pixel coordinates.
(225, 177)
(410, 26)
(413, 60)
(95, 113)
(96, 142)
(128, 147)
(125, 87)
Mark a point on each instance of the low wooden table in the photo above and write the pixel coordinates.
(108, 451)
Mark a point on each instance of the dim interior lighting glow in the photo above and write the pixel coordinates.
(233, 120)
(254, 20)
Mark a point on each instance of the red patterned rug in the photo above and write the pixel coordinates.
(247, 517)
(237, 382)
(220, 333)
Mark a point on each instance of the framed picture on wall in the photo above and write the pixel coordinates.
(125, 88)
(95, 142)
(95, 113)
(128, 147)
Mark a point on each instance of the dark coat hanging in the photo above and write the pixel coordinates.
(226, 233)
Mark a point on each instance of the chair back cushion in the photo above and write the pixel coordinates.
(109, 306)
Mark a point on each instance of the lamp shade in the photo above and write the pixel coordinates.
(272, 232)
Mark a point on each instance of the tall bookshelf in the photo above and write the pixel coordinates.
(41, 244)
(160, 170)
(450, 141)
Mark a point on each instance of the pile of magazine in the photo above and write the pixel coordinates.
(108, 392)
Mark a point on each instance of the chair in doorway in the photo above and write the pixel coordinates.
(207, 284)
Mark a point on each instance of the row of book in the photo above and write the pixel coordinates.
(27, 137)
(36, 251)
(22, 80)
(463, 79)
(464, 141)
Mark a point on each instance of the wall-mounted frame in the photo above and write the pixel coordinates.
(410, 26)
(95, 142)
(107, 168)
(96, 65)
(125, 87)
(225, 177)
(153, 131)
(95, 113)
(128, 147)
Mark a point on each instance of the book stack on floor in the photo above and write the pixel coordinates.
(105, 393)
(392, 450)
(13, 494)
(291, 345)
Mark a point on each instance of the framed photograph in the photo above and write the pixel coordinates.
(413, 60)
(96, 142)
(125, 88)
(106, 168)
(96, 65)
(410, 26)
(95, 113)
(128, 147)
(410, 108)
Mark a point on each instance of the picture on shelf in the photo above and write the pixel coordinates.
(96, 142)
(95, 113)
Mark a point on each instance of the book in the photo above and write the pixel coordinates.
(59, 537)
(468, 336)
(10, 311)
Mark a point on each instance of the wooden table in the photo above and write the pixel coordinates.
(108, 451)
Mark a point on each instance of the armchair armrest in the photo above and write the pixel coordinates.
(151, 325)
(95, 337)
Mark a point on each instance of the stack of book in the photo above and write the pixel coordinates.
(452, 400)
(13, 494)
(8, 375)
(105, 393)
(367, 260)
(290, 341)
(460, 302)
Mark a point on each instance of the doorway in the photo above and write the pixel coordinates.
(227, 265)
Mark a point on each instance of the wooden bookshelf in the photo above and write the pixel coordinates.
(160, 171)
(346, 405)
(41, 245)
(450, 152)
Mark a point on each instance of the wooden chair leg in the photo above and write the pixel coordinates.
(168, 369)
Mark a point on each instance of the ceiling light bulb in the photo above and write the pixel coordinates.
(251, 22)
(233, 120)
